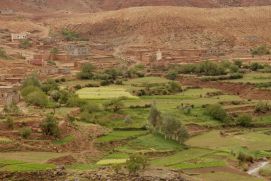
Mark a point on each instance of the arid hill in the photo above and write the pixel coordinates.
(99, 5)
(174, 26)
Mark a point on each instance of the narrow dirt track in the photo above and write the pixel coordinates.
(243, 90)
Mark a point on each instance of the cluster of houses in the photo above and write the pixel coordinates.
(6, 11)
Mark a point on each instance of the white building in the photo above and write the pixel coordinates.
(19, 36)
(159, 55)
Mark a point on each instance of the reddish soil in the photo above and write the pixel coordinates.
(243, 90)
(98, 5)
(65, 160)
(195, 129)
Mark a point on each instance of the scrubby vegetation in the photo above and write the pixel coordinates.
(260, 50)
(70, 35)
(3, 54)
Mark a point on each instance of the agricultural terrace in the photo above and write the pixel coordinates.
(205, 132)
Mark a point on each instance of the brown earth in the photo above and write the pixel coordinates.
(172, 27)
(101, 5)
(246, 91)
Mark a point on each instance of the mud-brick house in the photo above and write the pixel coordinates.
(77, 50)
(6, 11)
(19, 36)
(38, 60)
(9, 94)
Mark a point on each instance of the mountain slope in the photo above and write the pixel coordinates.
(174, 26)
(98, 5)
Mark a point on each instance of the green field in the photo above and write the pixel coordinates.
(120, 135)
(109, 92)
(254, 78)
(253, 140)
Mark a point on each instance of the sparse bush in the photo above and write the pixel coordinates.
(244, 120)
(172, 75)
(87, 71)
(136, 163)
(70, 35)
(217, 112)
(256, 66)
(49, 85)
(85, 116)
(262, 107)
(114, 105)
(38, 98)
(25, 44)
(25, 132)
(3, 54)
(261, 50)
(54, 51)
(75, 101)
(49, 126)
(31, 80)
(154, 117)
(239, 63)
(245, 157)
(9, 123)
(11, 109)
(90, 107)
(117, 168)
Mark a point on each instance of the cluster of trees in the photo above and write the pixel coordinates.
(159, 89)
(167, 125)
(217, 112)
(208, 68)
(47, 94)
(111, 75)
(88, 108)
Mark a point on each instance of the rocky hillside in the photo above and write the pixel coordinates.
(99, 5)
(174, 26)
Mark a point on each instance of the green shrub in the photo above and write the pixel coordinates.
(217, 112)
(49, 85)
(136, 163)
(70, 35)
(244, 120)
(261, 50)
(154, 117)
(239, 63)
(9, 123)
(114, 105)
(172, 75)
(31, 80)
(262, 107)
(25, 132)
(245, 157)
(87, 117)
(90, 107)
(75, 101)
(11, 109)
(3, 54)
(87, 71)
(49, 126)
(38, 98)
(29, 89)
(256, 66)
(25, 44)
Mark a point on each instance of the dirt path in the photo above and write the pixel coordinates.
(243, 90)
(254, 170)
